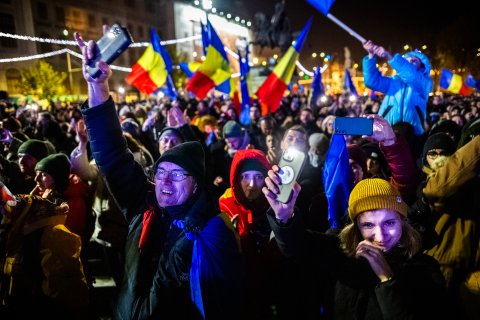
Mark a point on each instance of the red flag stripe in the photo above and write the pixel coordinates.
(200, 84)
(140, 78)
(271, 92)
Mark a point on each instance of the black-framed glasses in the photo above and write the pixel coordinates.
(434, 154)
(175, 175)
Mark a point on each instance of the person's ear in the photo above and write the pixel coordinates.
(195, 187)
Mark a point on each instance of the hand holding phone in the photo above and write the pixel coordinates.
(291, 165)
(113, 43)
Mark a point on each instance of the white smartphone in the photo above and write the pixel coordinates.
(291, 165)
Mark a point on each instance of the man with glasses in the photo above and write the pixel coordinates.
(182, 259)
(452, 192)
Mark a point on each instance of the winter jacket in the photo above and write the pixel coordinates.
(40, 264)
(157, 277)
(402, 167)
(415, 291)
(406, 93)
(453, 192)
(233, 202)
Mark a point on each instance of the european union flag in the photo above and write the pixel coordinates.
(472, 82)
(205, 38)
(317, 87)
(337, 180)
(244, 69)
(322, 5)
(348, 85)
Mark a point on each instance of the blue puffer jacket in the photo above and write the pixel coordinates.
(406, 93)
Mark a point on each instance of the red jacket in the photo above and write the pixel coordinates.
(76, 195)
(230, 201)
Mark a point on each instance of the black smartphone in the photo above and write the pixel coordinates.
(291, 165)
(356, 126)
(109, 47)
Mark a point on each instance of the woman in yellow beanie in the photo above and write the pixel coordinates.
(376, 265)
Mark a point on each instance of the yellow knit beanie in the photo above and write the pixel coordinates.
(371, 194)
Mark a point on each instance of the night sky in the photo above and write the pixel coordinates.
(391, 24)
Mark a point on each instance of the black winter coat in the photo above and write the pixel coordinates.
(415, 292)
(156, 282)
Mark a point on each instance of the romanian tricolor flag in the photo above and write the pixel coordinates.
(215, 70)
(453, 83)
(151, 70)
(271, 92)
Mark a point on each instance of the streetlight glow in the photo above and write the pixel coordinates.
(207, 4)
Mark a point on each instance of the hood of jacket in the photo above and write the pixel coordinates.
(240, 157)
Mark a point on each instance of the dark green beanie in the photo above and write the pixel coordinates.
(35, 148)
(232, 129)
(58, 166)
(188, 155)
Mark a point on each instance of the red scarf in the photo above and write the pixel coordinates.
(147, 226)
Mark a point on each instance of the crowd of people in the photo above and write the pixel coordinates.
(182, 198)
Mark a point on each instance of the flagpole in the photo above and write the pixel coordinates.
(346, 28)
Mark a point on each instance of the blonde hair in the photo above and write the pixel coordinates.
(410, 242)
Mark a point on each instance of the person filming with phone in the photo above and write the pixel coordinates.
(376, 266)
(406, 93)
(182, 259)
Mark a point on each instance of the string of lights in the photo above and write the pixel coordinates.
(74, 43)
(124, 69)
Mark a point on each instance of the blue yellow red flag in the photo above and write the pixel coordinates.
(150, 71)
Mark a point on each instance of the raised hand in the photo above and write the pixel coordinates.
(175, 117)
(382, 130)
(283, 211)
(89, 51)
(81, 130)
(370, 47)
(98, 90)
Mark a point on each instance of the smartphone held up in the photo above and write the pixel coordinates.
(291, 165)
(109, 47)
(356, 126)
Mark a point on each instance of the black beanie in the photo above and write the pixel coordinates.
(439, 140)
(188, 155)
(35, 148)
(252, 164)
(58, 166)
